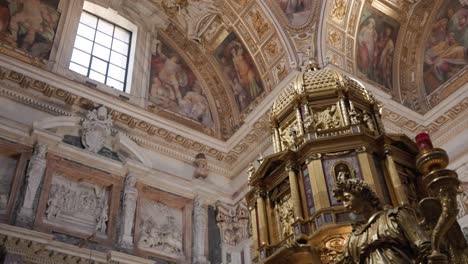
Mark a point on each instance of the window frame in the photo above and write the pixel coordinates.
(125, 83)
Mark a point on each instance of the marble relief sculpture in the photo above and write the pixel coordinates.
(199, 231)
(96, 128)
(34, 176)
(129, 207)
(161, 229)
(78, 205)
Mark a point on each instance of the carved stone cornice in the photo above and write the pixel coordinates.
(36, 247)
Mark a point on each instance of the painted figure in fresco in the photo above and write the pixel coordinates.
(367, 38)
(239, 70)
(296, 11)
(446, 49)
(385, 235)
(4, 17)
(32, 26)
(245, 73)
(175, 88)
(385, 61)
(195, 105)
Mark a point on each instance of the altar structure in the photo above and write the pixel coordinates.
(326, 131)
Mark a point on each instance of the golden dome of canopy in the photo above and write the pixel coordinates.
(314, 84)
(322, 103)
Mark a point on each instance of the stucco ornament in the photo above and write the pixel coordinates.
(96, 128)
(34, 175)
(233, 222)
(201, 166)
(190, 15)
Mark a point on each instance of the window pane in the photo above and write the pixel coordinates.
(116, 73)
(105, 27)
(116, 84)
(97, 76)
(79, 69)
(83, 44)
(80, 57)
(118, 59)
(88, 19)
(120, 46)
(86, 31)
(101, 52)
(103, 39)
(99, 65)
(122, 34)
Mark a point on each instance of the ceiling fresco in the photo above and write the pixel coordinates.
(412, 50)
(212, 63)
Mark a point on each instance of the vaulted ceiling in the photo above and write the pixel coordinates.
(227, 56)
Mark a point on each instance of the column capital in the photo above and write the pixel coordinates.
(260, 192)
(291, 166)
(313, 156)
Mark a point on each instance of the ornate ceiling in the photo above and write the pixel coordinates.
(227, 56)
(215, 65)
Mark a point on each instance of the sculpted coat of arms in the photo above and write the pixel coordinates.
(96, 128)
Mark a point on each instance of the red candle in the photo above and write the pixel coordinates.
(424, 142)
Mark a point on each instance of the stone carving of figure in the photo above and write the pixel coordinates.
(251, 171)
(386, 235)
(327, 119)
(35, 172)
(286, 216)
(354, 117)
(129, 206)
(199, 232)
(102, 219)
(53, 201)
(201, 170)
(368, 121)
(96, 128)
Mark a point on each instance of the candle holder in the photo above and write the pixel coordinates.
(442, 184)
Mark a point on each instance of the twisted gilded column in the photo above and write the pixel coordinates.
(292, 169)
(260, 194)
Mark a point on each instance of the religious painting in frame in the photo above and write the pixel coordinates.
(175, 88)
(297, 12)
(239, 69)
(29, 25)
(376, 41)
(446, 48)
